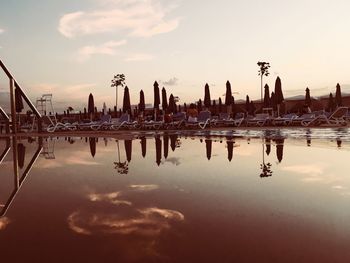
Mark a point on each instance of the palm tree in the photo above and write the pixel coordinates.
(263, 71)
(118, 80)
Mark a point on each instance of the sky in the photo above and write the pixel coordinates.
(71, 48)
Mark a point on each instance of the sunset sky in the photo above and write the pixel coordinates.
(71, 48)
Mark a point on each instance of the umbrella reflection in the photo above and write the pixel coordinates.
(128, 149)
(21, 152)
(268, 146)
(230, 149)
(208, 146)
(166, 145)
(143, 146)
(173, 140)
(279, 149)
(92, 143)
(158, 150)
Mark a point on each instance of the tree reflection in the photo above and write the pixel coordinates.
(121, 167)
(265, 167)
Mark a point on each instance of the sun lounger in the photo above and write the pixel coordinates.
(336, 118)
(286, 120)
(103, 124)
(124, 122)
(203, 120)
(260, 120)
(178, 119)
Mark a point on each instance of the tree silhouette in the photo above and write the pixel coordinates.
(263, 71)
(118, 80)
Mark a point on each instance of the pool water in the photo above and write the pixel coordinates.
(234, 196)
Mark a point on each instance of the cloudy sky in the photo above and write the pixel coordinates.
(72, 48)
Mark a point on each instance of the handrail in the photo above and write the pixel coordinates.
(30, 104)
(4, 114)
(14, 83)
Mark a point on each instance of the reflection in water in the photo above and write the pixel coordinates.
(230, 143)
(173, 141)
(18, 157)
(308, 137)
(128, 149)
(268, 146)
(121, 167)
(208, 146)
(4, 221)
(279, 149)
(125, 218)
(21, 154)
(176, 213)
(143, 146)
(158, 150)
(92, 143)
(166, 145)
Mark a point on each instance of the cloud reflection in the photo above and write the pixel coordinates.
(144, 187)
(109, 197)
(4, 221)
(122, 219)
(146, 221)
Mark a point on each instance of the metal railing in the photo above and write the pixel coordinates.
(14, 84)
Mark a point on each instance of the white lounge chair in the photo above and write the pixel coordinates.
(203, 120)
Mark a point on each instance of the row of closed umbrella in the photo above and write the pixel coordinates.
(273, 99)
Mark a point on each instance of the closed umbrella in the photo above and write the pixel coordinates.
(247, 104)
(156, 95)
(278, 94)
(104, 109)
(166, 145)
(207, 100)
(18, 100)
(338, 98)
(143, 146)
(228, 97)
(91, 106)
(172, 105)
(330, 103)
(126, 101)
(252, 108)
(21, 152)
(220, 105)
(199, 106)
(307, 97)
(267, 102)
(128, 149)
(158, 150)
(142, 105)
(273, 101)
(164, 100)
(213, 111)
(92, 143)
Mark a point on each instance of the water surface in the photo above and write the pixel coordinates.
(233, 196)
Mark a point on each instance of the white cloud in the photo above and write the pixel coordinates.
(108, 48)
(136, 18)
(171, 82)
(139, 57)
(2, 30)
